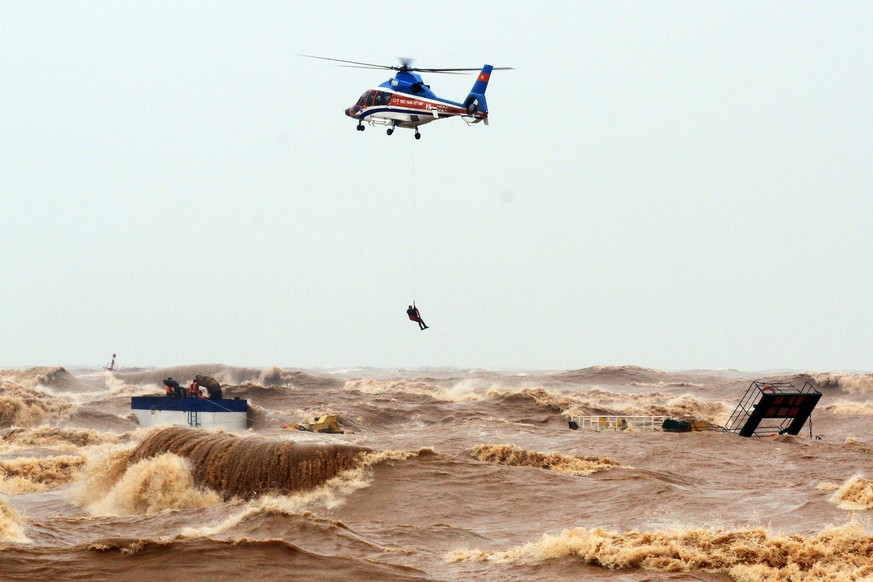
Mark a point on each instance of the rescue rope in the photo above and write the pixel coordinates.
(413, 223)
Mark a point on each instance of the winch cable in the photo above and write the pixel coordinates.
(413, 223)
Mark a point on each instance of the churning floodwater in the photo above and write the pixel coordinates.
(438, 475)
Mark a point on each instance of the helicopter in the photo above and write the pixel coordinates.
(405, 100)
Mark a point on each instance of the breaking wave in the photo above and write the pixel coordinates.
(35, 475)
(852, 383)
(120, 388)
(835, 553)
(51, 376)
(599, 401)
(639, 376)
(58, 438)
(276, 376)
(687, 406)
(249, 466)
(517, 457)
(464, 391)
(329, 495)
(847, 407)
(567, 402)
(226, 375)
(553, 401)
(100, 474)
(10, 525)
(856, 445)
(160, 483)
(614, 375)
(21, 406)
(854, 494)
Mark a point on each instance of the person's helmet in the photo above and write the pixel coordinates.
(410, 306)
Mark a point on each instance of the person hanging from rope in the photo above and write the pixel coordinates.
(415, 316)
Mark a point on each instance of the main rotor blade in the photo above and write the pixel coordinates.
(477, 69)
(370, 65)
(403, 67)
(438, 72)
(472, 69)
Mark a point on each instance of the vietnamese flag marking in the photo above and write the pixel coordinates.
(484, 77)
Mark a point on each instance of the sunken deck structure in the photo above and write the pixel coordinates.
(230, 414)
(773, 408)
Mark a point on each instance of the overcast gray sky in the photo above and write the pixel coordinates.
(667, 184)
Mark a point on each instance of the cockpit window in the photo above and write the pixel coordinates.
(367, 98)
(374, 97)
(383, 97)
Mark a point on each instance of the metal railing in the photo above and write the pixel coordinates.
(618, 422)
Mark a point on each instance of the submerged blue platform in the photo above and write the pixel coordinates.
(228, 413)
(198, 404)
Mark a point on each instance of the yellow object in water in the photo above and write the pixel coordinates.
(326, 423)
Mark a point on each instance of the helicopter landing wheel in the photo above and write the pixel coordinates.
(417, 135)
(390, 130)
(360, 127)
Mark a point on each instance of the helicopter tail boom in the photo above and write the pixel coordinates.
(475, 101)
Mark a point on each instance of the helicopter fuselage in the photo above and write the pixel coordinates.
(405, 101)
(387, 107)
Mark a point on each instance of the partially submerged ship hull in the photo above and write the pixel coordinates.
(227, 414)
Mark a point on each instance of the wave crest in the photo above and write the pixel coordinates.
(854, 494)
(835, 553)
(35, 475)
(599, 401)
(249, 466)
(21, 406)
(515, 456)
(152, 485)
(852, 383)
(272, 376)
(55, 437)
(854, 444)
(10, 525)
(54, 376)
(329, 495)
(373, 386)
(463, 391)
(847, 407)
